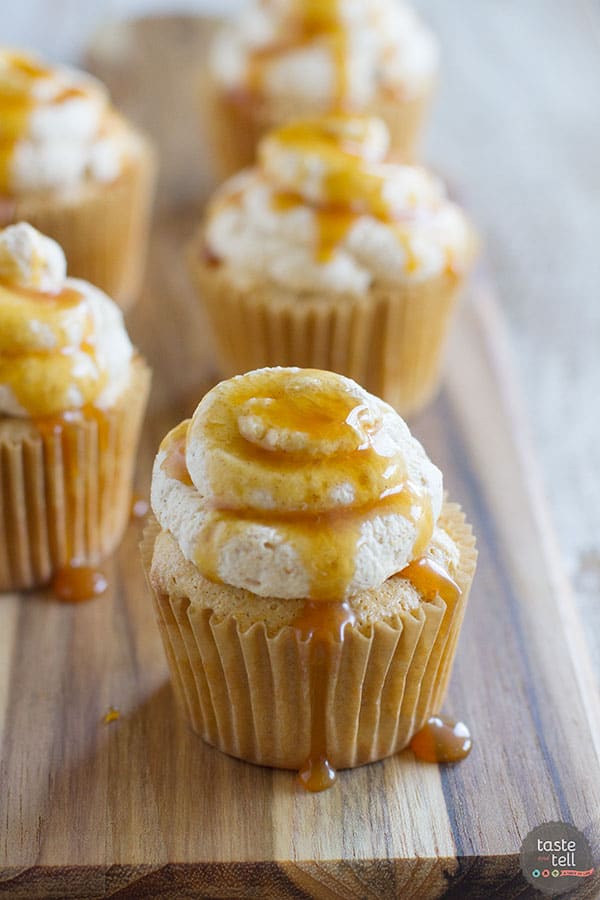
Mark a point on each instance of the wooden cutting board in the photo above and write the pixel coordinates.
(139, 806)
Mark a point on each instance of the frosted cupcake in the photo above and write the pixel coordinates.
(309, 579)
(330, 255)
(285, 59)
(72, 396)
(76, 170)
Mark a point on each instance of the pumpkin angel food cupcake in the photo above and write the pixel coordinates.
(329, 254)
(283, 59)
(72, 396)
(309, 578)
(75, 169)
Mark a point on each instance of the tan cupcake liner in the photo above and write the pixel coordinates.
(389, 341)
(235, 124)
(65, 487)
(246, 692)
(102, 228)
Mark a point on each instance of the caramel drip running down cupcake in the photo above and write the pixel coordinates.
(298, 484)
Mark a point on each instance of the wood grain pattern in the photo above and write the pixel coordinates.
(141, 807)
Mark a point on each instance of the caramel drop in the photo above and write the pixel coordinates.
(316, 774)
(76, 583)
(442, 740)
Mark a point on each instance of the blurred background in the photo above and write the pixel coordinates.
(516, 133)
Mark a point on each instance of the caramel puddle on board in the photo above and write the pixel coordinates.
(74, 583)
(442, 740)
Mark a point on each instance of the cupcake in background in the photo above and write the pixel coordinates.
(309, 578)
(75, 169)
(72, 397)
(329, 254)
(288, 59)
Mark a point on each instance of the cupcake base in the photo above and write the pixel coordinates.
(245, 690)
(102, 228)
(65, 486)
(389, 341)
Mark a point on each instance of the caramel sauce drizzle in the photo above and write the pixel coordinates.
(310, 21)
(326, 541)
(430, 579)
(35, 392)
(352, 186)
(174, 463)
(16, 105)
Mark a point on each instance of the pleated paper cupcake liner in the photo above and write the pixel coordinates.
(235, 124)
(246, 692)
(389, 341)
(65, 487)
(102, 228)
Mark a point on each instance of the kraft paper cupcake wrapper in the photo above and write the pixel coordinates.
(390, 342)
(65, 488)
(246, 691)
(102, 228)
(235, 125)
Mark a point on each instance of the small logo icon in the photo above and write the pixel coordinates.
(555, 858)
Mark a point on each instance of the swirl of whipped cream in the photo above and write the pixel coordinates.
(327, 210)
(63, 343)
(296, 483)
(326, 54)
(56, 127)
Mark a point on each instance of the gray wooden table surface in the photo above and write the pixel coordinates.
(517, 130)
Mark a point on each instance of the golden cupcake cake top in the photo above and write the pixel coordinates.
(326, 207)
(336, 54)
(296, 484)
(63, 343)
(57, 127)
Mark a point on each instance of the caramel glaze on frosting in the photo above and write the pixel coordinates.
(332, 54)
(63, 344)
(297, 483)
(56, 127)
(327, 188)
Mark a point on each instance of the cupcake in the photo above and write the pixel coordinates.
(329, 254)
(308, 576)
(286, 59)
(72, 396)
(72, 167)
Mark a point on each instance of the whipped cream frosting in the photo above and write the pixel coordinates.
(57, 127)
(326, 209)
(326, 54)
(63, 343)
(296, 484)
